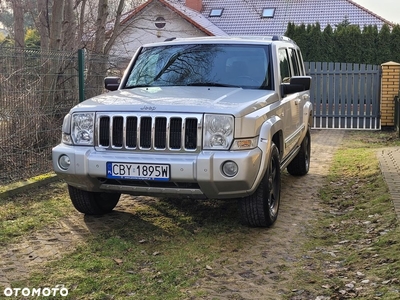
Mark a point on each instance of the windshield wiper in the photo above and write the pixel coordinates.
(137, 86)
(211, 84)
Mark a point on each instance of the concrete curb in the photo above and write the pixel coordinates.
(389, 161)
(26, 185)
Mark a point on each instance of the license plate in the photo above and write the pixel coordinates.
(137, 171)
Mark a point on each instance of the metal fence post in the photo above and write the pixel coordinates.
(81, 72)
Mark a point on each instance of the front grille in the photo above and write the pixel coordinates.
(122, 131)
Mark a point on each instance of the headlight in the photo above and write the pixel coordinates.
(82, 128)
(218, 131)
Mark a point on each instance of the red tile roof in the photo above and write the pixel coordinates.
(243, 17)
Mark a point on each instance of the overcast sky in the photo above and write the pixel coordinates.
(388, 9)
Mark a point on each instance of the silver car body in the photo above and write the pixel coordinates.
(260, 117)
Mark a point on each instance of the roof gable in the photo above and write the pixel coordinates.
(195, 18)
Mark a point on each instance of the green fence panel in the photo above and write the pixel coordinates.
(36, 90)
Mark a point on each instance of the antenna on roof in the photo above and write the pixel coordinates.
(169, 39)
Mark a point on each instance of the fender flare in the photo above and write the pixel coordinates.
(308, 114)
(267, 131)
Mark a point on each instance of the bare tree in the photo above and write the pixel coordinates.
(81, 21)
(19, 35)
(70, 43)
(50, 85)
(57, 17)
(72, 24)
(101, 47)
(43, 23)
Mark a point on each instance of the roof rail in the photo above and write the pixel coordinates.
(282, 38)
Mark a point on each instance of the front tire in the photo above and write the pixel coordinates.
(92, 203)
(261, 208)
(300, 165)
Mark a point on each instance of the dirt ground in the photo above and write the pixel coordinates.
(259, 271)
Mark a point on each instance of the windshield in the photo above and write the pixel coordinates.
(245, 66)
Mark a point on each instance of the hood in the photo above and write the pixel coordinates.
(235, 101)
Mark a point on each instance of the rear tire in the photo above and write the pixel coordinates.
(261, 208)
(92, 203)
(300, 165)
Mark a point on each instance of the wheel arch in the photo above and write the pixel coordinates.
(271, 131)
(277, 139)
(308, 115)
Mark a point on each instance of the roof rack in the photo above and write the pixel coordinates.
(282, 38)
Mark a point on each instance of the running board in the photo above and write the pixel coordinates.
(290, 157)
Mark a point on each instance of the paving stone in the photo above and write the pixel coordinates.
(389, 160)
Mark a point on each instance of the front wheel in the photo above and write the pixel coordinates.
(261, 208)
(92, 203)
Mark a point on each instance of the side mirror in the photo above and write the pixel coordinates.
(112, 83)
(296, 84)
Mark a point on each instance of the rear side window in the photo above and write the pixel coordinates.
(295, 62)
(302, 70)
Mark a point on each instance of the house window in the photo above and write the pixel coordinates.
(160, 22)
(268, 13)
(216, 12)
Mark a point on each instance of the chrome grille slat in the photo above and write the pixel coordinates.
(191, 134)
(131, 132)
(148, 132)
(160, 131)
(145, 133)
(104, 136)
(175, 135)
(118, 131)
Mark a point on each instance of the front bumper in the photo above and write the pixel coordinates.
(195, 175)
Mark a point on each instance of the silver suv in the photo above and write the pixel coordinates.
(214, 117)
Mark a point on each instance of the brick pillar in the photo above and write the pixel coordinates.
(390, 85)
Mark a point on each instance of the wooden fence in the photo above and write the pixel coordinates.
(345, 96)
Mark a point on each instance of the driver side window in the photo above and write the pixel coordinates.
(284, 66)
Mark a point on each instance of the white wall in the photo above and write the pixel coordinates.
(143, 30)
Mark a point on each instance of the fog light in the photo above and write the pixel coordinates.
(230, 168)
(64, 162)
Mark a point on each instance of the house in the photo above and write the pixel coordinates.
(157, 20)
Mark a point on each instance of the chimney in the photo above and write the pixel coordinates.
(194, 4)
